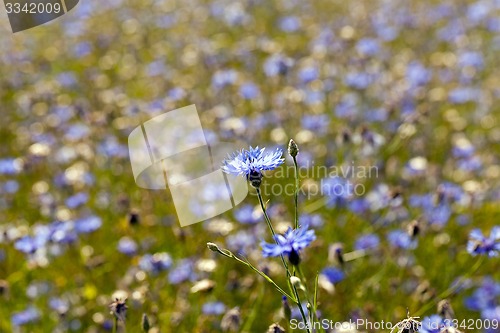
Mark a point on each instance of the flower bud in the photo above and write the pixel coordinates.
(293, 149)
(213, 247)
(145, 323)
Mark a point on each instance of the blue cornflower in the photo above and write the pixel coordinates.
(290, 243)
(30, 315)
(213, 308)
(127, 246)
(400, 239)
(431, 324)
(333, 275)
(155, 263)
(367, 241)
(252, 162)
(480, 244)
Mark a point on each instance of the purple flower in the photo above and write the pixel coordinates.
(291, 243)
(480, 244)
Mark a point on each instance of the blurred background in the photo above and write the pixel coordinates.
(409, 87)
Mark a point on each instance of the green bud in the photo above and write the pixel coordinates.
(145, 323)
(213, 247)
(293, 149)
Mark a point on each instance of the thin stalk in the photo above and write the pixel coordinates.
(296, 192)
(269, 224)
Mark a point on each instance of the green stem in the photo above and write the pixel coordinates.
(269, 224)
(296, 299)
(296, 192)
(229, 254)
(302, 313)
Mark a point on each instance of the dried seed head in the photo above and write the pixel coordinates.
(119, 309)
(445, 310)
(413, 228)
(231, 320)
(275, 328)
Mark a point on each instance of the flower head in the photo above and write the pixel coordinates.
(480, 244)
(251, 163)
(291, 243)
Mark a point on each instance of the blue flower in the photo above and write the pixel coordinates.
(291, 243)
(155, 263)
(252, 162)
(367, 241)
(480, 244)
(333, 275)
(213, 308)
(27, 316)
(431, 324)
(247, 214)
(401, 239)
(88, 224)
(127, 246)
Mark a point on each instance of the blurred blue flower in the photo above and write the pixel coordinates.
(289, 23)
(368, 46)
(277, 65)
(337, 190)
(183, 271)
(401, 239)
(30, 315)
(241, 241)
(480, 244)
(308, 74)
(417, 74)
(59, 305)
(223, 78)
(88, 224)
(484, 297)
(76, 200)
(10, 166)
(333, 275)
(249, 90)
(313, 220)
(291, 243)
(213, 308)
(316, 123)
(366, 242)
(29, 244)
(358, 80)
(248, 214)
(127, 245)
(155, 263)
(432, 324)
